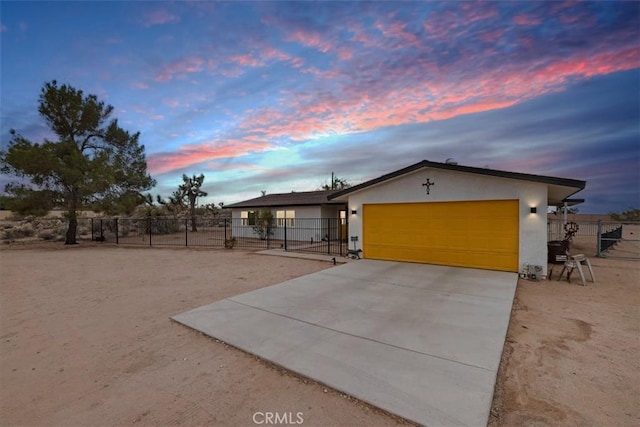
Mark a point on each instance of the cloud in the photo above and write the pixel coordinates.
(191, 154)
(3, 28)
(180, 67)
(159, 17)
(525, 20)
(311, 39)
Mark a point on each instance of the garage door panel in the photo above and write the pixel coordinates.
(482, 234)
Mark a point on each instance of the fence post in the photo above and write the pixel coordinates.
(92, 237)
(285, 234)
(269, 228)
(225, 231)
(117, 239)
(101, 231)
(186, 231)
(149, 227)
(328, 236)
(598, 250)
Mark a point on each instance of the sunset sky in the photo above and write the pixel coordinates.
(277, 95)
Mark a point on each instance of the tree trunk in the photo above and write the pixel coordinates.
(192, 203)
(72, 215)
(71, 231)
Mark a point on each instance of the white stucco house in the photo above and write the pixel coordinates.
(307, 216)
(448, 214)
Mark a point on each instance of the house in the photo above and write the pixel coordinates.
(448, 214)
(307, 216)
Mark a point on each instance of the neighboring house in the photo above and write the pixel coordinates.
(447, 214)
(307, 216)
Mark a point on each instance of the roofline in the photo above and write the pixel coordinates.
(257, 203)
(579, 185)
(279, 205)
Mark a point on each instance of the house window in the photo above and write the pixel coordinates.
(286, 217)
(248, 217)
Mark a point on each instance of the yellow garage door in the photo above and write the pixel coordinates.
(478, 234)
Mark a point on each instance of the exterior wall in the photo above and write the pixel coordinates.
(305, 229)
(452, 186)
(332, 211)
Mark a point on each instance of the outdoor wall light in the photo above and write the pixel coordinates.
(354, 212)
(534, 210)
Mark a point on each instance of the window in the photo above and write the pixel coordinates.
(248, 217)
(286, 217)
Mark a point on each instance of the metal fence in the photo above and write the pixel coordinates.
(618, 239)
(613, 239)
(319, 235)
(556, 229)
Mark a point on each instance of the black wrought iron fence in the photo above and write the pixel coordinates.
(619, 239)
(320, 235)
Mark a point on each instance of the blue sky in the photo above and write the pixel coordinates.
(277, 95)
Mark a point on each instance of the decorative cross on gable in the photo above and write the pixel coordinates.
(428, 184)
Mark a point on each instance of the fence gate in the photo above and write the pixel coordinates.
(619, 239)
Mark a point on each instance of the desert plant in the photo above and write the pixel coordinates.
(230, 243)
(46, 235)
(93, 161)
(628, 215)
(263, 226)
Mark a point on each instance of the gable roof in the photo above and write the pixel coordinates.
(558, 188)
(303, 198)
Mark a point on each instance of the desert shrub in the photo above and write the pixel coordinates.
(264, 223)
(46, 235)
(26, 230)
(230, 243)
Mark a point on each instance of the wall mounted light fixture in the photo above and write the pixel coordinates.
(534, 210)
(354, 212)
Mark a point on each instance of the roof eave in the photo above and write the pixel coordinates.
(575, 184)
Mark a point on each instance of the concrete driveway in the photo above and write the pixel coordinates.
(421, 341)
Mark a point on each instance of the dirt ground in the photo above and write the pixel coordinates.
(85, 339)
(572, 354)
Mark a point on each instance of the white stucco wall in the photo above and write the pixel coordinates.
(307, 225)
(460, 186)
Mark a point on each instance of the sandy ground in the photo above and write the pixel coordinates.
(85, 339)
(572, 356)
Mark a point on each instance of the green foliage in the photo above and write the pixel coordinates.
(230, 243)
(27, 202)
(189, 191)
(93, 163)
(263, 225)
(337, 184)
(628, 215)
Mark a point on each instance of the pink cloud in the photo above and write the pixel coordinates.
(159, 17)
(526, 20)
(358, 107)
(141, 85)
(265, 55)
(190, 154)
(246, 60)
(173, 103)
(491, 36)
(360, 35)
(398, 30)
(311, 39)
(345, 53)
(180, 67)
